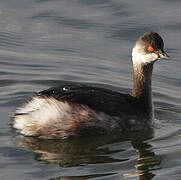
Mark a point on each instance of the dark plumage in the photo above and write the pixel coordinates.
(75, 110)
(99, 99)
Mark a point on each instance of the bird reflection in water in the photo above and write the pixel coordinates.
(146, 162)
(96, 150)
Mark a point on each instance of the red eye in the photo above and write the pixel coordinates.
(150, 49)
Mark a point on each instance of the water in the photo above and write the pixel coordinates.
(46, 43)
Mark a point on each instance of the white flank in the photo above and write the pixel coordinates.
(40, 111)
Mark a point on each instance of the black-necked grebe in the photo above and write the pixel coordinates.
(75, 110)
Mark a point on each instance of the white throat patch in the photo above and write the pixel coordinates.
(140, 57)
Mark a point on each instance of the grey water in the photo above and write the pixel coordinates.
(45, 43)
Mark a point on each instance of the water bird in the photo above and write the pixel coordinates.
(78, 110)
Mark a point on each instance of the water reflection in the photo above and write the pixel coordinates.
(97, 150)
(147, 160)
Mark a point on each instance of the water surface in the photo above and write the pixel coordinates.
(45, 43)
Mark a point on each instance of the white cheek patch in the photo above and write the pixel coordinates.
(139, 57)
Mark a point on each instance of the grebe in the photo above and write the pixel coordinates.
(75, 110)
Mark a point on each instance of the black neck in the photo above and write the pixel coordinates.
(142, 80)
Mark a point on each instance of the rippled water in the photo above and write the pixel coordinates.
(45, 43)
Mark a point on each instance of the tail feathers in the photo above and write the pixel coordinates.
(31, 106)
(38, 113)
(50, 118)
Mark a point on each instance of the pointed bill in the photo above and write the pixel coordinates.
(164, 55)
